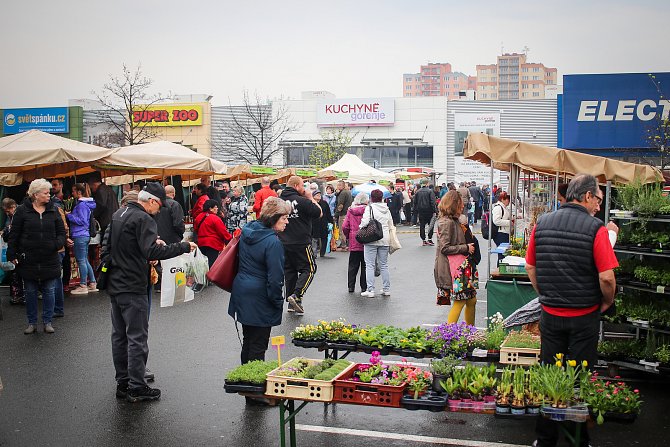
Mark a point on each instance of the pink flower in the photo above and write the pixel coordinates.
(636, 391)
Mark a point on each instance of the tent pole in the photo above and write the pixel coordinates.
(490, 211)
(608, 194)
(556, 191)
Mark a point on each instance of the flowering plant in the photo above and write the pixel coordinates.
(609, 396)
(452, 337)
(379, 373)
(336, 330)
(495, 333)
(417, 380)
(522, 339)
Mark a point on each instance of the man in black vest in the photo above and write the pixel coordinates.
(570, 262)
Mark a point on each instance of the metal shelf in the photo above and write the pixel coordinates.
(650, 219)
(641, 253)
(644, 289)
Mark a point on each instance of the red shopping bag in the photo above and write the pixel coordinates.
(223, 271)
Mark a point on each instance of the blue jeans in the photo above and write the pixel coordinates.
(47, 287)
(59, 298)
(379, 253)
(81, 255)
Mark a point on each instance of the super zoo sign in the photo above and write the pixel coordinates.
(613, 110)
(168, 116)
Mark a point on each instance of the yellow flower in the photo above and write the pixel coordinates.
(572, 363)
(559, 356)
(585, 364)
(558, 363)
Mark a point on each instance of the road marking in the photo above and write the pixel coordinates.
(401, 436)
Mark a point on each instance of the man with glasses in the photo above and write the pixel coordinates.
(570, 262)
(130, 244)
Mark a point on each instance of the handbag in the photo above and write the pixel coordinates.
(223, 271)
(371, 232)
(394, 243)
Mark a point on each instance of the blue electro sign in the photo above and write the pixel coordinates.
(46, 119)
(608, 111)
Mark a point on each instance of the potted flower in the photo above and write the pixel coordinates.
(518, 392)
(504, 391)
(418, 381)
(610, 400)
(495, 333)
(534, 396)
(309, 336)
(451, 387)
(442, 369)
(451, 338)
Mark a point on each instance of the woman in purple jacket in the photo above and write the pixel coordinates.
(350, 227)
(80, 221)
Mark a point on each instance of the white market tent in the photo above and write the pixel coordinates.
(359, 171)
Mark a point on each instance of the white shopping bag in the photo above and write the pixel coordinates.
(174, 287)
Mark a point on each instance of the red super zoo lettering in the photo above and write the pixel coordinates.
(162, 116)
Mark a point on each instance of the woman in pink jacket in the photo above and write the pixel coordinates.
(350, 227)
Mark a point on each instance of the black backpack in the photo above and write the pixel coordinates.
(93, 226)
(486, 222)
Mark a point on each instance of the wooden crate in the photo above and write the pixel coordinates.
(301, 389)
(519, 356)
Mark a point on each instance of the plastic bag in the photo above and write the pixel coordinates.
(174, 287)
(197, 267)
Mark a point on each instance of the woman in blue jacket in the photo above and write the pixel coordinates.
(80, 222)
(257, 297)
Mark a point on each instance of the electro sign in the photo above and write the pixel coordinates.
(613, 110)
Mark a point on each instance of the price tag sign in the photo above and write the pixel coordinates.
(660, 289)
(278, 342)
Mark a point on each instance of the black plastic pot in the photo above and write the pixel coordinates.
(430, 401)
(309, 343)
(243, 387)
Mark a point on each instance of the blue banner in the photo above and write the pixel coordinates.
(46, 119)
(611, 111)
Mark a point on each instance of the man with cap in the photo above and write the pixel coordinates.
(130, 243)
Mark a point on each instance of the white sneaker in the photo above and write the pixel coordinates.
(368, 293)
(386, 293)
(79, 290)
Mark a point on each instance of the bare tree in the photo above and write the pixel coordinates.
(658, 135)
(331, 148)
(253, 130)
(124, 96)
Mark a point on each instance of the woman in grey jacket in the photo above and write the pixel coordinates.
(377, 251)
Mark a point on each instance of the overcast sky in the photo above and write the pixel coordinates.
(53, 51)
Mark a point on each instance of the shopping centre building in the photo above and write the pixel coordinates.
(606, 114)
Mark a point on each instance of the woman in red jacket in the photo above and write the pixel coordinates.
(212, 232)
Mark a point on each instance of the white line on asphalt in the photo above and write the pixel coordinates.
(401, 436)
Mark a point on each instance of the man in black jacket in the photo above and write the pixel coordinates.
(299, 267)
(425, 203)
(106, 201)
(170, 219)
(129, 245)
(570, 263)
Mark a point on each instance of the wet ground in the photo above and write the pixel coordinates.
(59, 389)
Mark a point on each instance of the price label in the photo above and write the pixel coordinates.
(278, 343)
(660, 289)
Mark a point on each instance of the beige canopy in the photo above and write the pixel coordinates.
(248, 171)
(159, 158)
(502, 153)
(37, 154)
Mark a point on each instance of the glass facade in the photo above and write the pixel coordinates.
(375, 156)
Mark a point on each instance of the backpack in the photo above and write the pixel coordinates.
(93, 229)
(486, 222)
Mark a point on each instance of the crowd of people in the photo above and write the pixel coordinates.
(278, 250)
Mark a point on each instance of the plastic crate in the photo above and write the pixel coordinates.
(578, 413)
(350, 392)
(299, 388)
(506, 269)
(474, 407)
(519, 356)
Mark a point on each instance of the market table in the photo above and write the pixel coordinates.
(506, 294)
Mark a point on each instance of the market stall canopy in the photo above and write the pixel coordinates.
(248, 171)
(408, 175)
(501, 153)
(160, 159)
(37, 154)
(359, 171)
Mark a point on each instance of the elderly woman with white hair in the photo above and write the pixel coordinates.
(238, 208)
(350, 226)
(38, 232)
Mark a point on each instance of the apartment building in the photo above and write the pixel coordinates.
(514, 78)
(437, 80)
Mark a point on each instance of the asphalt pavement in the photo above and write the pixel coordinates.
(59, 389)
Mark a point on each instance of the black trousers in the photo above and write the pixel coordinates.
(130, 332)
(407, 209)
(299, 269)
(577, 339)
(424, 219)
(356, 262)
(211, 254)
(254, 342)
(478, 211)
